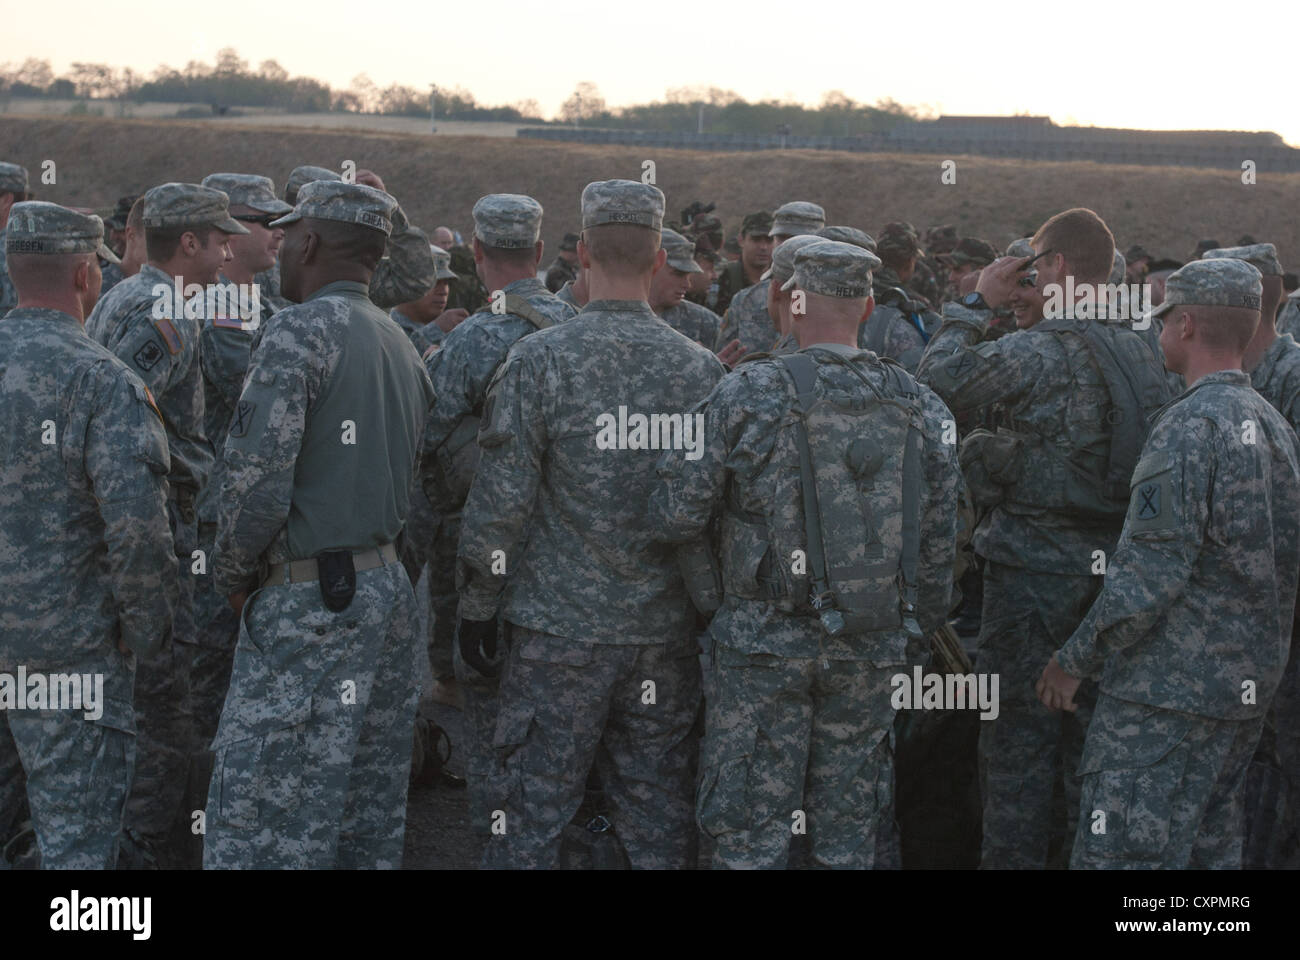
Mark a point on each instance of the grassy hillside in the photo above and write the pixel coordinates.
(438, 178)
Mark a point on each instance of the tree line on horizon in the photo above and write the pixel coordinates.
(230, 82)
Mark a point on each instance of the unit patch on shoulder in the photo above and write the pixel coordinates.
(169, 335)
(243, 418)
(147, 357)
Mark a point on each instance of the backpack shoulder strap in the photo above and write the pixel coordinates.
(801, 370)
(522, 308)
(905, 384)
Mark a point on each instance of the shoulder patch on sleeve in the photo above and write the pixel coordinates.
(170, 335)
(147, 357)
(1151, 499)
(243, 418)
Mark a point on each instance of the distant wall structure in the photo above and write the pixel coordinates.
(1016, 138)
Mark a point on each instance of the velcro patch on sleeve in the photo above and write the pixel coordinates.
(170, 335)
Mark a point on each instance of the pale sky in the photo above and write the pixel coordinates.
(1128, 64)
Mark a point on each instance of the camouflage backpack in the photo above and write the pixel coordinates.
(841, 537)
(1032, 470)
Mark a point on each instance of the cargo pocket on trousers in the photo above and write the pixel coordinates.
(724, 804)
(1128, 811)
(259, 775)
(514, 720)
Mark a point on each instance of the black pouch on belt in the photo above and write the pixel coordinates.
(338, 578)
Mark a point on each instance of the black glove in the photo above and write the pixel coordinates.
(478, 645)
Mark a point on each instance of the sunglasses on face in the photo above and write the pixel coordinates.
(1030, 262)
(264, 220)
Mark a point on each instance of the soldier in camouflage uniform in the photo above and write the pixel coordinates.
(1189, 636)
(507, 248)
(405, 273)
(574, 293)
(225, 342)
(755, 247)
(88, 566)
(427, 321)
(901, 325)
(13, 189)
(314, 747)
(603, 666)
(563, 269)
(1273, 361)
(116, 225)
(779, 301)
(1054, 488)
(939, 241)
(1288, 320)
(668, 291)
(747, 319)
(186, 226)
(969, 256)
(799, 721)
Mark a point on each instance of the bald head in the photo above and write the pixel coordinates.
(443, 237)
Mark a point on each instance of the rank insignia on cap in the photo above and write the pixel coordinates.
(169, 335)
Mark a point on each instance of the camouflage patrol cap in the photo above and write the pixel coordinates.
(188, 205)
(942, 236)
(570, 243)
(1118, 267)
(680, 250)
(899, 239)
(970, 250)
(833, 269)
(1023, 247)
(343, 203)
(622, 201)
(39, 227)
(248, 189)
(760, 222)
(301, 176)
(1221, 282)
(117, 220)
(1261, 256)
(13, 178)
(706, 223)
(853, 235)
(797, 217)
(782, 268)
(1136, 252)
(441, 264)
(507, 221)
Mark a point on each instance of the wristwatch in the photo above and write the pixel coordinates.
(975, 301)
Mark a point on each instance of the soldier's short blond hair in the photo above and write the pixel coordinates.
(623, 249)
